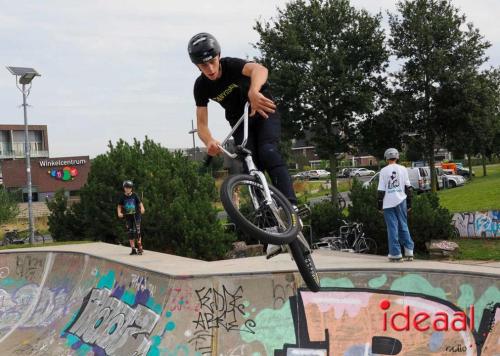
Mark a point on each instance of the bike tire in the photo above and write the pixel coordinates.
(336, 245)
(366, 245)
(254, 223)
(305, 264)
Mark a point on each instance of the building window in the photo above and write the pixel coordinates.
(34, 197)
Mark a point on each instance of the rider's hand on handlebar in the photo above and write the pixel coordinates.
(260, 104)
(213, 148)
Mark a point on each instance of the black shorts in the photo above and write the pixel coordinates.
(133, 224)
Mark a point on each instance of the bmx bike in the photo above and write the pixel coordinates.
(261, 210)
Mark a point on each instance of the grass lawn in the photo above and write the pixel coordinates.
(481, 194)
(10, 247)
(479, 249)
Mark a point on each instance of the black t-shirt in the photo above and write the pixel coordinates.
(230, 90)
(131, 204)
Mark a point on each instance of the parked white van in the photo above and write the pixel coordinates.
(420, 179)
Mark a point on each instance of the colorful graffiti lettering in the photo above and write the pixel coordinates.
(110, 324)
(478, 224)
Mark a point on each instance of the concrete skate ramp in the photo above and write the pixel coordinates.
(79, 300)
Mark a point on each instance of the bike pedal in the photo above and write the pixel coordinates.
(303, 211)
(274, 252)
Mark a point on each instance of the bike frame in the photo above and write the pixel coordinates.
(252, 169)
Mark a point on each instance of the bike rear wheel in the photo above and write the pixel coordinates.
(243, 198)
(305, 264)
(366, 245)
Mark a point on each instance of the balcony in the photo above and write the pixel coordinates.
(20, 154)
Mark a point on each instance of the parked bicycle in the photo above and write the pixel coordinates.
(261, 210)
(15, 237)
(351, 238)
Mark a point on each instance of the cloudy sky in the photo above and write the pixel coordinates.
(119, 68)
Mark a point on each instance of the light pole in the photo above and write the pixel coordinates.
(25, 76)
(192, 132)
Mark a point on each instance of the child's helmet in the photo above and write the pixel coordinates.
(203, 47)
(128, 184)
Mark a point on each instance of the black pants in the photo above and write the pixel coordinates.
(133, 224)
(263, 139)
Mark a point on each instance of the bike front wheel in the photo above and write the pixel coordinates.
(305, 264)
(243, 198)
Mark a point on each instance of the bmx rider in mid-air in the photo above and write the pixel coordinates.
(232, 82)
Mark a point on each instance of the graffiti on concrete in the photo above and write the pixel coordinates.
(478, 224)
(281, 293)
(27, 266)
(142, 283)
(350, 322)
(180, 300)
(51, 306)
(4, 272)
(201, 340)
(222, 310)
(107, 322)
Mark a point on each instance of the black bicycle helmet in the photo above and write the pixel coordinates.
(128, 184)
(203, 47)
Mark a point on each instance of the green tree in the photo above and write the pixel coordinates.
(386, 128)
(436, 46)
(180, 217)
(8, 206)
(474, 104)
(326, 62)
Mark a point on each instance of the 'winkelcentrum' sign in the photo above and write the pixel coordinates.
(62, 162)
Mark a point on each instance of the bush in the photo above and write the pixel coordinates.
(8, 206)
(180, 217)
(428, 220)
(364, 210)
(63, 224)
(326, 217)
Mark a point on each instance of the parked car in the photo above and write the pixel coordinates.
(453, 180)
(373, 180)
(312, 174)
(300, 176)
(359, 172)
(344, 172)
(464, 172)
(318, 174)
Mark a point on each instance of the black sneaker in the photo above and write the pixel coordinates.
(134, 251)
(139, 251)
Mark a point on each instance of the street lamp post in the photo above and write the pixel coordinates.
(192, 132)
(25, 76)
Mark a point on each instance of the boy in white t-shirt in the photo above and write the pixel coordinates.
(394, 198)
